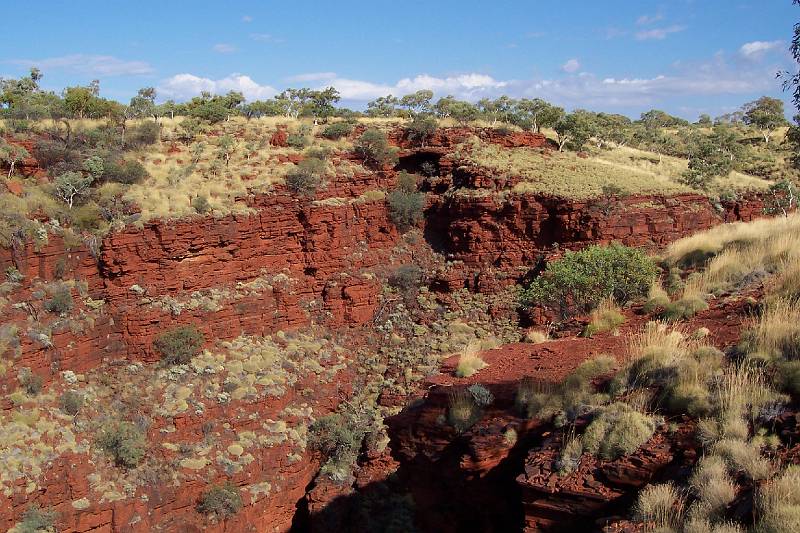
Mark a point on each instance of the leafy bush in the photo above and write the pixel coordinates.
(123, 441)
(71, 402)
(297, 140)
(618, 430)
(374, 147)
(582, 279)
(36, 520)
(421, 128)
(221, 500)
(306, 177)
(179, 345)
(337, 130)
(60, 302)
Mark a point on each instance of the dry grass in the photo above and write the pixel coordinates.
(660, 506)
(630, 170)
(777, 330)
(470, 362)
(606, 317)
(779, 503)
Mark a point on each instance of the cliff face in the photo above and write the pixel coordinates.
(288, 264)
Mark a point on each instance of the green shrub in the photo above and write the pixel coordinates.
(307, 176)
(789, 377)
(71, 402)
(123, 441)
(693, 399)
(337, 130)
(36, 520)
(374, 147)
(618, 430)
(713, 487)
(60, 302)
(570, 457)
(406, 208)
(580, 280)
(179, 345)
(606, 317)
(221, 500)
(297, 140)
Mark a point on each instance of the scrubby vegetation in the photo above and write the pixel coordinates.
(179, 345)
(123, 441)
(221, 501)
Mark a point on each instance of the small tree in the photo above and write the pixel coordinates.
(766, 114)
(421, 128)
(573, 130)
(71, 185)
(782, 199)
(226, 145)
(12, 154)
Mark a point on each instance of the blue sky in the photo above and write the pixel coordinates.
(684, 56)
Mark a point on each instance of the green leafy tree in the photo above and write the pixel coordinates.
(498, 110)
(463, 112)
(536, 114)
(782, 198)
(143, 104)
(418, 102)
(574, 130)
(421, 128)
(706, 162)
(384, 106)
(766, 114)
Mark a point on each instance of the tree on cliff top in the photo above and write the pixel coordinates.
(766, 114)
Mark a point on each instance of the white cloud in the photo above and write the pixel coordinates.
(185, 86)
(756, 49)
(224, 48)
(571, 66)
(95, 65)
(658, 33)
(265, 38)
(649, 19)
(247, 18)
(466, 86)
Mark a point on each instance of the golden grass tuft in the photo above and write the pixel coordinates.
(470, 362)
